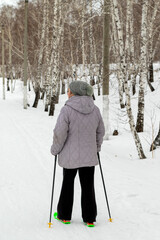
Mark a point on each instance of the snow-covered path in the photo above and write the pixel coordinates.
(26, 168)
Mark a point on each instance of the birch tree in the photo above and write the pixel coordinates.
(83, 37)
(62, 47)
(10, 60)
(91, 73)
(40, 57)
(152, 31)
(106, 47)
(25, 56)
(3, 67)
(124, 78)
(47, 81)
(54, 59)
(132, 50)
(9, 41)
(117, 27)
(143, 74)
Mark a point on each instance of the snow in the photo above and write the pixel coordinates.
(26, 169)
(9, 2)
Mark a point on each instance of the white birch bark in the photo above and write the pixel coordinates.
(10, 58)
(40, 56)
(25, 72)
(131, 34)
(151, 30)
(10, 64)
(127, 42)
(47, 82)
(143, 61)
(83, 38)
(91, 46)
(58, 31)
(77, 59)
(132, 51)
(54, 59)
(125, 81)
(106, 61)
(55, 50)
(59, 44)
(94, 50)
(61, 47)
(118, 28)
(3, 67)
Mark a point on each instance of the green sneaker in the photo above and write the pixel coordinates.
(89, 224)
(61, 220)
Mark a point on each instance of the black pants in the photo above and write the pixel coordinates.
(88, 202)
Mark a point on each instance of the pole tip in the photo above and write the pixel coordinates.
(50, 224)
(110, 220)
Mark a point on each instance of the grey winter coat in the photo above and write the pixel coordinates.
(78, 133)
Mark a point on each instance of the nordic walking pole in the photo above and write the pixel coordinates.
(54, 172)
(110, 219)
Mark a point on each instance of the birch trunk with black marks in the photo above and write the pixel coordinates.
(99, 78)
(143, 73)
(3, 67)
(54, 59)
(60, 31)
(126, 88)
(91, 73)
(40, 57)
(151, 32)
(106, 61)
(127, 40)
(129, 46)
(132, 51)
(25, 72)
(117, 27)
(47, 80)
(10, 59)
(94, 50)
(77, 59)
(83, 38)
(63, 67)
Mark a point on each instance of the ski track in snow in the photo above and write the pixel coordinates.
(26, 168)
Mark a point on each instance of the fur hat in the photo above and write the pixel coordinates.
(81, 88)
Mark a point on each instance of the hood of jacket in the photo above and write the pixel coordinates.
(82, 104)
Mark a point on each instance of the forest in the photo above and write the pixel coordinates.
(45, 47)
(65, 42)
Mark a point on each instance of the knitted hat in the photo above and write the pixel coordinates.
(81, 88)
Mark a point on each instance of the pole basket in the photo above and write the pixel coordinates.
(50, 224)
(110, 220)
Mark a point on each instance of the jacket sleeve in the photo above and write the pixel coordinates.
(60, 132)
(100, 132)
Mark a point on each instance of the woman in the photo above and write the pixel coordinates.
(78, 136)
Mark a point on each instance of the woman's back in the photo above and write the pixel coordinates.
(81, 120)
